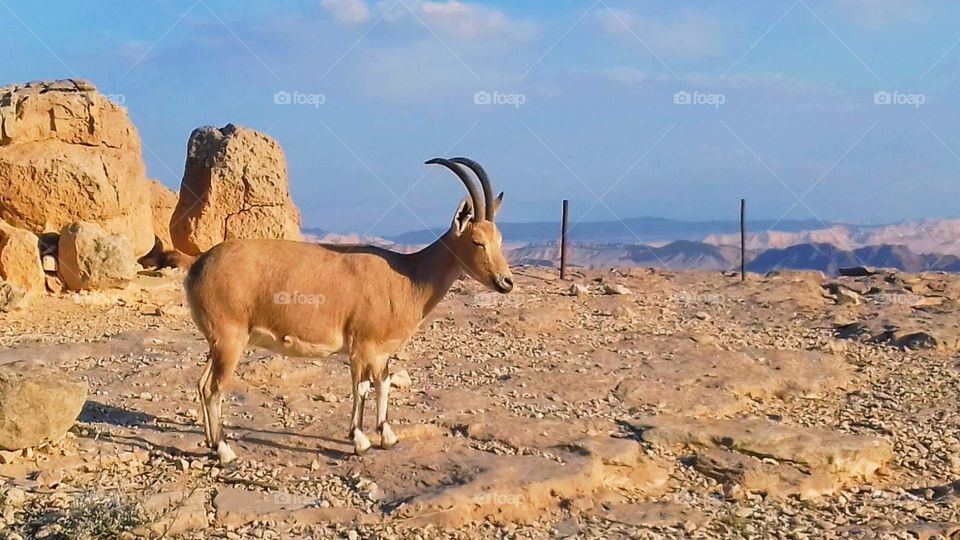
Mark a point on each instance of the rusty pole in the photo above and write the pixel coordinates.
(563, 239)
(743, 240)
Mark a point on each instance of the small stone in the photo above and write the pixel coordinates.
(401, 379)
(54, 283)
(353, 535)
(15, 497)
(577, 289)
(329, 397)
(49, 263)
(615, 289)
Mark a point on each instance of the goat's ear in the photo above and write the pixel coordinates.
(496, 204)
(463, 217)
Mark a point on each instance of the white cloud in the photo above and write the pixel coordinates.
(688, 34)
(468, 21)
(348, 11)
(454, 19)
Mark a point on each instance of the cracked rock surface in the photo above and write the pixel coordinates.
(234, 186)
(67, 154)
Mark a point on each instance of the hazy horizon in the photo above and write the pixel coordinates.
(732, 220)
(835, 111)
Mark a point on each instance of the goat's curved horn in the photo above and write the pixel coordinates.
(479, 208)
(484, 182)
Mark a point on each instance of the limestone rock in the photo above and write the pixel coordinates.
(11, 297)
(176, 512)
(92, 259)
(54, 283)
(49, 263)
(654, 514)
(238, 507)
(234, 186)
(401, 379)
(163, 200)
(774, 480)
(615, 289)
(577, 289)
(20, 258)
(36, 406)
(843, 456)
(68, 154)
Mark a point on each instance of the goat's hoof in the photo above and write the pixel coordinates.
(360, 443)
(387, 438)
(225, 454)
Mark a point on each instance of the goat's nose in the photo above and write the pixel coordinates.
(506, 283)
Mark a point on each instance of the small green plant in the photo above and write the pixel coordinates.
(90, 516)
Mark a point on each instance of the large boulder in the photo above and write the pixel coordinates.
(92, 259)
(163, 200)
(36, 406)
(234, 186)
(67, 153)
(20, 258)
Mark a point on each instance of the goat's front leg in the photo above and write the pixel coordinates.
(360, 441)
(387, 438)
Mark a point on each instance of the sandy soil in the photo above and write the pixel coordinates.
(791, 406)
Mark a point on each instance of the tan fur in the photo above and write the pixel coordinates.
(302, 299)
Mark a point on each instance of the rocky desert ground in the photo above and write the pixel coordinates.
(618, 404)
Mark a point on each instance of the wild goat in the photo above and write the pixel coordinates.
(300, 299)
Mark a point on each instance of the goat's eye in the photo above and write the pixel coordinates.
(480, 245)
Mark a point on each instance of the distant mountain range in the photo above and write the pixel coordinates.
(829, 259)
(714, 245)
(629, 231)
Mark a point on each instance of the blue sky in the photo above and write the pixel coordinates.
(627, 108)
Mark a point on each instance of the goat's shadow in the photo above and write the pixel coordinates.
(94, 412)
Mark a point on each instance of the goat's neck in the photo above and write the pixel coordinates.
(435, 268)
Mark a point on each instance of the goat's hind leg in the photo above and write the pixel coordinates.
(382, 382)
(223, 358)
(360, 387)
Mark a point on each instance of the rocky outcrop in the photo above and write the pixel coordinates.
(163, 200)
(755, 455)
(20, 259)
(234, 186)
(92, 259)
(68, 154)
(11, 297)
(36, 406)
